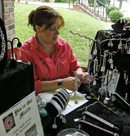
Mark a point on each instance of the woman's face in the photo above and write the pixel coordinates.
(50, 35)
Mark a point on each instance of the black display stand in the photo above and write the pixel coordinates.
(115, 112)
(121, 57)
(120, 119)
(15, 84)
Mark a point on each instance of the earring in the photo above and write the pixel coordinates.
(40, 38)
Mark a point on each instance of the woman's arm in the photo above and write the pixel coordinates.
(68, 83)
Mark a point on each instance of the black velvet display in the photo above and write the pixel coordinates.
(15, 84)
(121, 119)
(121, 58)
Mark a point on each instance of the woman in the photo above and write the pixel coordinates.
(53, 61)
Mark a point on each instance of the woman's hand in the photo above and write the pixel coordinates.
(83, 76)
(69, 83)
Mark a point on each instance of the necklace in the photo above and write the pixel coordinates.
(58, 70)
(3, 45)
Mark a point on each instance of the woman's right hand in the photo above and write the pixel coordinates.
(69, 83)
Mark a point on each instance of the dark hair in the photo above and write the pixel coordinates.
(44, 15)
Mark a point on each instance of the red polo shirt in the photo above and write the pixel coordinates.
(30, 51)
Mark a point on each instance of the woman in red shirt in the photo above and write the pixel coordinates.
(53, 60)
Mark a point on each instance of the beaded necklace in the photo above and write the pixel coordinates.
(3, 44)
(46, 67)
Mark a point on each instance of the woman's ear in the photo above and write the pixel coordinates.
(38, 28)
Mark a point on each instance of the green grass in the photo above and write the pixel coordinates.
(76, 22)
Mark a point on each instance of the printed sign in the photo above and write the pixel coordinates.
(22, 119)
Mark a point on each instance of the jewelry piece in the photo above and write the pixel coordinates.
(100, 128)
(120, 44)
(62, 117)
(40, 38)
(111, 61)
(64, 93)
(124, 75)
(95, 65)
(90, 55)
(95, 50)
(58, 69)
(54, 126)
(3, 45)
(100, 119)
(126, 81)
(102, 90)
(76, 87)
(110, 44)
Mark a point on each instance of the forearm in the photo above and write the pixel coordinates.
(49, 85)
(68, 83)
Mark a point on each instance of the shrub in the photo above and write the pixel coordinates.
(90, 1)
(109, 9)
(115, 15)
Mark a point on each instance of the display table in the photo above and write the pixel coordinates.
(119, 117)
(15, 84)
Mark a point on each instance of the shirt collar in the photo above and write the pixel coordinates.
(33, 42)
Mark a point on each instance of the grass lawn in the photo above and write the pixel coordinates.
(76, 22)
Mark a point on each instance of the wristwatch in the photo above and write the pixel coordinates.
(59, 83)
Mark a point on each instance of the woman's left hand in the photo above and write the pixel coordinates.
(83, 76)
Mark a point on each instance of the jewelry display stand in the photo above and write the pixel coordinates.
(113, 54)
